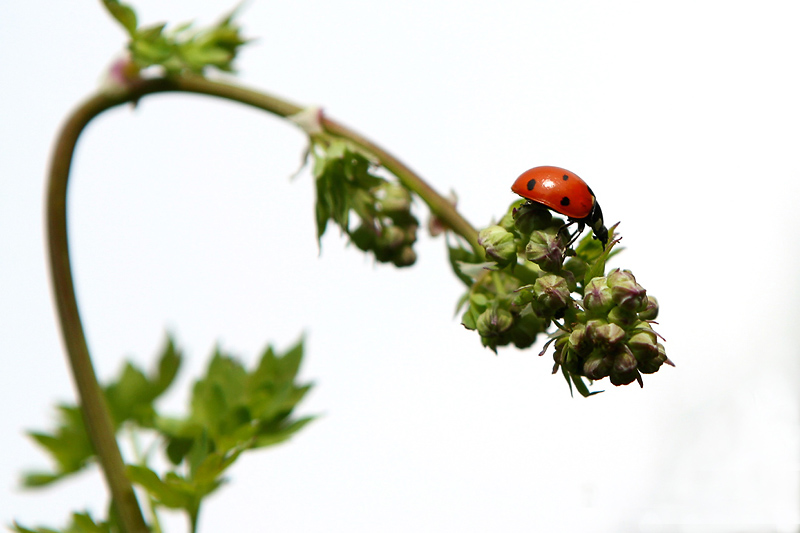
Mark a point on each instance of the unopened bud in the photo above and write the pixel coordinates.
(597, 367)
(529, 218)
(545, 248)
(395, 199)
(494, 322)
(626, 292)
(651, 309)
(406, 256)
(622, 317)
(597, 298)
(552, 293)
(499, 244)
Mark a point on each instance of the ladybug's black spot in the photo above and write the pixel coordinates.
(531, 184)
(565, 177)
(565, 201)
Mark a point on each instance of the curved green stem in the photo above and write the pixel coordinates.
(99, 424)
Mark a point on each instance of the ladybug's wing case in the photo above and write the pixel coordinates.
(556, 188)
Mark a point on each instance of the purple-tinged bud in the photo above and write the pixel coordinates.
(552, 293)
(494, 322)
(651, 309)
(597, 367)
(644, 345)
(626, 292)
(607, 335)
(580, 341)
(597, 298)
(624, 369)
(499, 244)
(546, 249)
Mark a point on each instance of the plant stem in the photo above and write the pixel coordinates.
(98, 420)
(99, 425)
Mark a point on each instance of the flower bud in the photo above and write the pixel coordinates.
(494, 322)
(580, 341)
(527, 327)
(643, 345)
(499, 244)
(597, 367)
(597, 297)
(624, 370)
(406, 256)
(651, 309)
(522, 297)
(607, 335)
(530, 217)
(395, 199)
(626, 292)
(552, 293)
(391, 238)
(622, 317)
(546, 250)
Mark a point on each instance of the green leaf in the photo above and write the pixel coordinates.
(172, 492)
(68, 446)
(124, 14)
(132, 395)
(81, 523)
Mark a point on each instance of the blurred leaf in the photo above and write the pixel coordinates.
(81, 523)
(68, 446)
(124, 14)
(130, 397)
(173, 492)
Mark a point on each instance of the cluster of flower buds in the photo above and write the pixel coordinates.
(346, 185)
(392, 230)
(534, 281)
(613, 336)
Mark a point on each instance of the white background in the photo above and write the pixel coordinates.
(682, 116)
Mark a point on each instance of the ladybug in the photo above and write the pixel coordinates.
(565, 193)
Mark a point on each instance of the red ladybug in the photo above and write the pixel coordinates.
(564, 192)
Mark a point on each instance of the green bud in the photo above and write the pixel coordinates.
(526, 328)
(626, 292)
(507, 222)
(395, 199)
(494, 322)
(552, 293)
(522, 297)
(391, 238)
(651, 309)
(530, 217)
(364, 237)
(622, 317)
(597, 297)
(499, 244)
(546, 249)
(406, 256)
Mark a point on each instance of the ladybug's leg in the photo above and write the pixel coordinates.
(574, 236)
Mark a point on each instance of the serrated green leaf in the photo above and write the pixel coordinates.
(124, 14)
(272, 437)
(172, 492)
